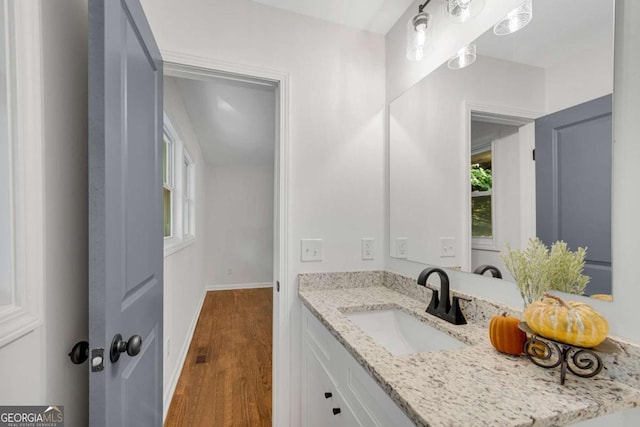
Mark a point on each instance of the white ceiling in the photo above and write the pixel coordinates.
(377, 16)
(558, 28)
(234, 121)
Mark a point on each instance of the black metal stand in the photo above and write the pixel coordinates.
(549, 354)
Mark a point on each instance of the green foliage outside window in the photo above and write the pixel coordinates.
(481, 179)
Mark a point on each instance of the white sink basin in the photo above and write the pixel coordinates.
(401, 333)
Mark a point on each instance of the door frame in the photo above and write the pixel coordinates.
(184, 65)
(508, 115)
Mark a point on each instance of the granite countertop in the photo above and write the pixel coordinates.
(470, 386)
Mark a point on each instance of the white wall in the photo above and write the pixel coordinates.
(582, 75)
(239, 224)
(429, 156)
(336, 136)
(66, 203)
(622, 313)
(183, 270)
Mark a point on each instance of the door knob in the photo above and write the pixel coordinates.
(79, 353)
(118, 345)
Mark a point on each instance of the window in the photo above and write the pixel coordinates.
(6, 187)
(188, 196)
(21, 170)
(179, 195)
(167, 183)
(482, 203)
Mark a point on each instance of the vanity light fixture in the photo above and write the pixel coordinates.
(464, 10)
(465, 57)
(418, 29)
(515, 20)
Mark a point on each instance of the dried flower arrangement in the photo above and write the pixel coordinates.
(537, 269)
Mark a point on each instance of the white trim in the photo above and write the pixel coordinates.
(237, 286)
(175, 375)
(27, 100)
(183, 65)
(173, 245)
(514, 116)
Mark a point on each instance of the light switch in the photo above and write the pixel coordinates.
(310, 250)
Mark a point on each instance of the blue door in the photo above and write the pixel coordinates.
(573, 184)
(125, 217)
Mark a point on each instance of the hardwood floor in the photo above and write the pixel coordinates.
(226, 378)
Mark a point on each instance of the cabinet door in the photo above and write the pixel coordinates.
(322, 405)
(316, 407)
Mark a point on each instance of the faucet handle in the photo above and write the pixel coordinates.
(455, 314)
(455, 297)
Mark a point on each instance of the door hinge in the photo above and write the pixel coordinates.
(533, 154)
(277, 286)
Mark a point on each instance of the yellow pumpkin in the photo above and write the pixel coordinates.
(505, 336)
(572, 322)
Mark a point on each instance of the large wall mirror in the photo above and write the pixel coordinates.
(515, 145)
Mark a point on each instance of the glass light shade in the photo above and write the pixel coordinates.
(465, 57)
(515, 20)
(464, 10)
(418, 29)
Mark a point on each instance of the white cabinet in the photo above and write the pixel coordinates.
(323, 404)
(327, 367)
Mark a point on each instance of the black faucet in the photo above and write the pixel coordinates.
(442, 308)
(481, 269)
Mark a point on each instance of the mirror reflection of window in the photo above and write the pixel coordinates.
(167, 180)
(481, 195)
(6, 238)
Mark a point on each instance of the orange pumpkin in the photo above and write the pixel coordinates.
(505, 335)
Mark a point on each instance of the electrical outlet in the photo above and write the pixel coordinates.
(168, 347)
(367, 248)
(311, 250)
(402, 247)
(447, 247)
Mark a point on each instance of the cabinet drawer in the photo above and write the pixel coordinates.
(317, 335)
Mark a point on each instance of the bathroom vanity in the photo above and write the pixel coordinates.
(352, 378)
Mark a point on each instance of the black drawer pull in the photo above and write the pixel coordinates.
(328, 395)
(336, 411)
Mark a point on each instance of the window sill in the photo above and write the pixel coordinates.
(484, 244)
(174, 246)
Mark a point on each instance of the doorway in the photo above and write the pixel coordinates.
(243, 188)
(501, 197)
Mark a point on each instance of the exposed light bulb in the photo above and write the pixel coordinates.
(417, 36)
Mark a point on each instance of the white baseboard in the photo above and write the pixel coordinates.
(175, 375)
(230, 287)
